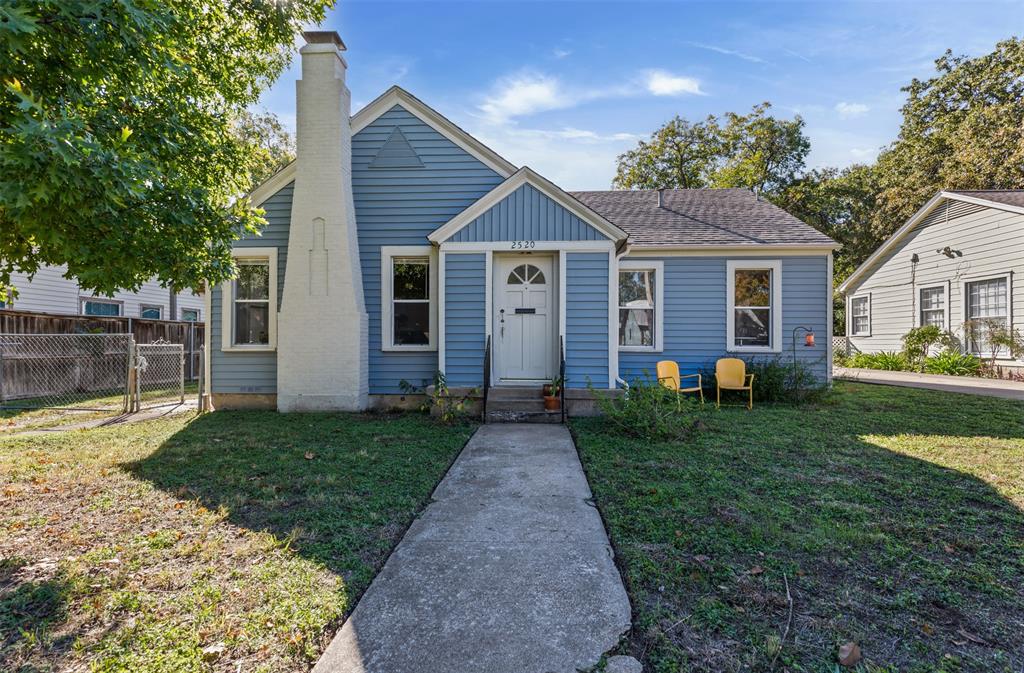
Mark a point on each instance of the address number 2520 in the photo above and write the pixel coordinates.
(523, 245)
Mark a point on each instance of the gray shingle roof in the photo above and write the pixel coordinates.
(1011, 197)
(701, 217)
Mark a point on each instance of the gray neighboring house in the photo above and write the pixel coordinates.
(49, 291)
(958, 258)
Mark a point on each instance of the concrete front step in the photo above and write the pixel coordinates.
(493, 416)
(515, 393)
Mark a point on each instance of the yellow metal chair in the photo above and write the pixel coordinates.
(731, 374)
(668, 376)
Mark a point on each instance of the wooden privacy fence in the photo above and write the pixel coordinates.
(191, 335)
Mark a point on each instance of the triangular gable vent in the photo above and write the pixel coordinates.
(396, 152)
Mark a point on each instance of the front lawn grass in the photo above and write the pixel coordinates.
(894, 515)
(224, 542)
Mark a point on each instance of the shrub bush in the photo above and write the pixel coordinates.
(775, 380)
(651, 411)
(918, 342)
(892, 361)
(953, 363)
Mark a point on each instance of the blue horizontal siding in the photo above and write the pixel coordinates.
(234, 372)
(586, 319)
(695, 315)
(465, 319)
(398, 205)
(526, 215)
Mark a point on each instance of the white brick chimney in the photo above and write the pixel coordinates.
(322, 360)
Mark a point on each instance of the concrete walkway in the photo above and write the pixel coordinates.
(508, 570)
(970, 385)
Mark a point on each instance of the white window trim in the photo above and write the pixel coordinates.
(144, 307)
(658, 268)
(965, 309)
(199, 314)
(849, 315)
(227, 304)
(945, 306)
(387, 324)
(101, 300)
(734, 265)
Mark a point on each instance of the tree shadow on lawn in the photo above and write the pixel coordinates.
(894, 515)
(339, 489)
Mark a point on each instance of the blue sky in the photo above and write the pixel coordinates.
(564, 87)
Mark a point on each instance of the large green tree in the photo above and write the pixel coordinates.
(273, 143)
(754, 150)
(120, 154)
(962, 129)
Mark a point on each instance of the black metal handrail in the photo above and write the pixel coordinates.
(487, 375)
(561, 375)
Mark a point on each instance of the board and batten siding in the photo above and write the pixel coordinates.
(465, 320)
(695, 315)
(526, 215)
(241, 372)
(401, 206)
(992, 243)
(586, 319)
(50, 292)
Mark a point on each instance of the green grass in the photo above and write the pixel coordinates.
(894, 514)
(249, 533)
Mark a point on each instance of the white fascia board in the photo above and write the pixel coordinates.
(523, 176)
(273, 185)
(432, 118)
(752, 250)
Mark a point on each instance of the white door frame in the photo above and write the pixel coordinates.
(498, 265)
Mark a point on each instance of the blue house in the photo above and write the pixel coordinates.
(399, 246)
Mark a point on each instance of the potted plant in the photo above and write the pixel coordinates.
(552, 402)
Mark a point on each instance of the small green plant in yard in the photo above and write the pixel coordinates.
(953, 363)
(887, 518)
(918, 342)
(649, 410)
(992, 337)
(892, 361)
(446, 407)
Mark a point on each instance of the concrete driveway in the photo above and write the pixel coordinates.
(508, 569)
(970, 385)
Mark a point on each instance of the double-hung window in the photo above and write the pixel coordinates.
(640, 305)
(100, 307)
(754, 319)
(408, 298)
(933, 306)
(249, 302)
(860, 316)
(988, 305)
(150, 312)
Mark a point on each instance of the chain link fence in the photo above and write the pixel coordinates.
(106, 373)
(160, 374)
(65, 371)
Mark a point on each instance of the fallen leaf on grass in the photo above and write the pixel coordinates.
(310, 455)
(214, 651)
(756, 570)
(927, 628)
(977, 640)
(849, 654)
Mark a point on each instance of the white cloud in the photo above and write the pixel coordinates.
(525, 93)
(663, 83)
(561, 53)
(851, 110)
(729, 52)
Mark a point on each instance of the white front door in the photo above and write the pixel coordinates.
(523, 330)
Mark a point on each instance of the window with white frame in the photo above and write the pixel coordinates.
(988, 305)
(150, 312)
(100, 307)
(755, 305)
(249, 302)
(190, 314)
(860, 316)
(933, 306)
(640, 305)
(408, 298)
